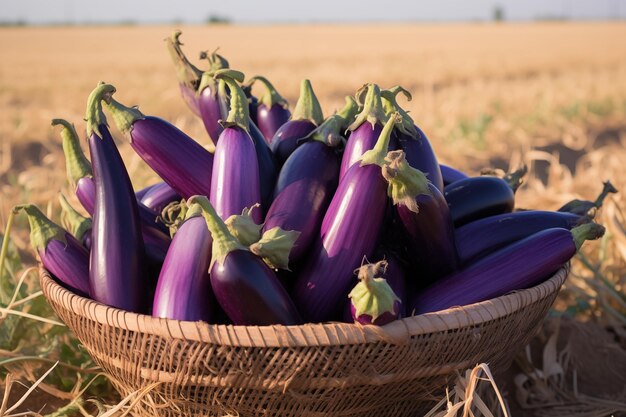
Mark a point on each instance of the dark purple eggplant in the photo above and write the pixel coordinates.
(366, 129)
(235, 183)
(268, 168)
(307, 182)
(184, 288)
(411, 139)
(178, 159)
(272, 109)
(246, 288)
(59, 252)
(450, 175)
(188, 75)
(424, 214)
(372, 300)
(523, 264)
(213, 104)
(78, 225)
(350, 231)
(306, 116)
(159, 196)
(588, 208)
(253, 103)
(116, 274)
(143, 191)
(483, 236)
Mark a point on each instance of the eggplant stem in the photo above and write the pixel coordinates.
(308, 106)
(77, 164)
(186, 72)
(372, 111)
(606, 190)
(587, 231)
(390, 106)
(94, 116)
(376, 156)
(271, 96)
(42, 229)
(239, 114)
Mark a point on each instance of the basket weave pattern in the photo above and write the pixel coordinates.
(334, 369)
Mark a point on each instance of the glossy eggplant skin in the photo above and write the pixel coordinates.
(159, 196)
(140, 193)
(250, 293)
(478, 197)
(178, 159)
(286, 138)
(450, 175)
(236, 184)
(481, 237)
(420, 155)
(68, 262)
(190, 98)
(305, 186)
(361, 139)
(116, 274)
(184, 289)
(268, 168)
(269, 120)
(522, 264)
(211, 112)
(350, 230)
(429, 236)
(86, 193)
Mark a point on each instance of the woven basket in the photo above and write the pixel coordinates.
(334, 369)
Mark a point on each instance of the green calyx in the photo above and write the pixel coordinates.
(405, 182)
(186, 73)
(123, 116)
(271, 96)
(372, 111)
(587, 231)
(176, 213)
(239, 114)
(216, 61)
(308, 107)
(76, 163)
(42, 229)
(94, 116)
(329, 132)
(376, 155)
(373, 296)
(390, 106)
(72, 220)
(243, 227)
(274, 247)
(223, 241)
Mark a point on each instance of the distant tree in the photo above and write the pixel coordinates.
(498, 13)
(214, 19)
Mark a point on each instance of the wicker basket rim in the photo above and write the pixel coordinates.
(323, 334)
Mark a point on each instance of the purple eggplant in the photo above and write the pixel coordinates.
(350, 230)
(523, 264)
(253, 103)
(59, 252)
(188, 75)
(305, 118)
(143, 191)
(79, 225)
(372, 300)
(584, 207)
(424, 214)
(450, 175)
(268, 168)
(307, 182)
(178, 159)
(272, 109)
(184, 288)
(116, 273)
(235, 179)
(245, 287)
(159, 196)
(483, 236)
(212, 102)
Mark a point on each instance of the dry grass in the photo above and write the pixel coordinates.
(552, 95)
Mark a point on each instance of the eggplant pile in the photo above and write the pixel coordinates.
(294, 217)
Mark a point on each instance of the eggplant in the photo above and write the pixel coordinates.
(116, 274)
(142, 192)
(253, 103)
(410, 138)
(583, 207)
(188, 75)
(307, 182)
(481, 237)
(450, 175)
(58, 251)
(244, 286)
(372, 300)
(425, 217)
(79, 225)
(272, 110)
(365, 130)
(184, 289)
(178, 159)
(268, 168)
(350, 230)
(305, 118)
(212, 102)
(235, 183)
(523, 264)
(159, 196)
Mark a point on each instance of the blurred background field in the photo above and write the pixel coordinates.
(550, 94)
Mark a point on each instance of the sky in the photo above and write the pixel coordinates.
(285, 11)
